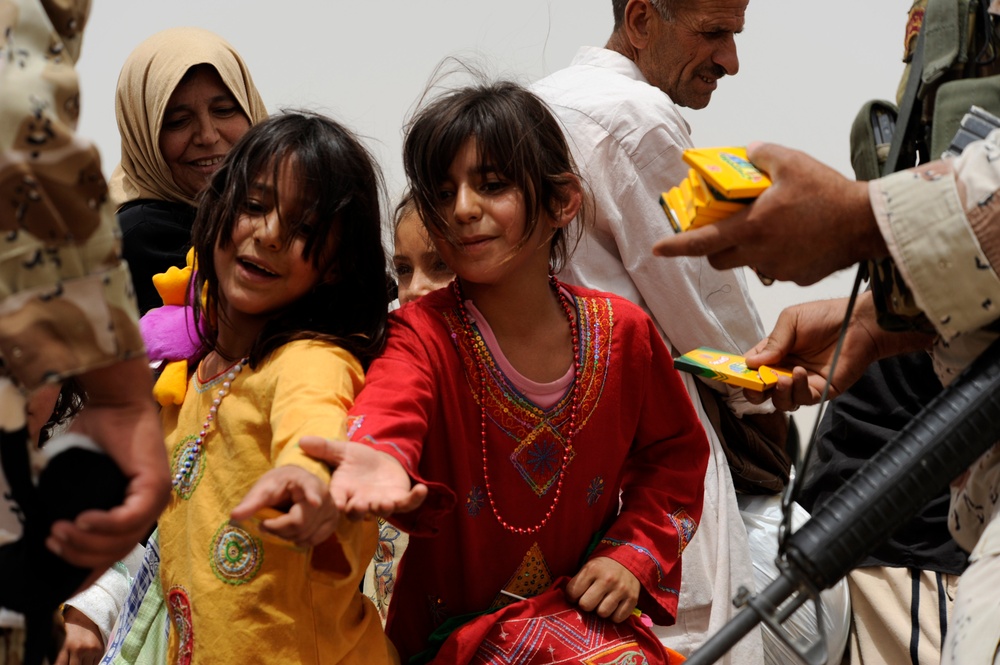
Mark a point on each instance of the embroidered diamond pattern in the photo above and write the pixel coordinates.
(569, 636)
(539, 457)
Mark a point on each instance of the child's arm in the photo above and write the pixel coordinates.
(605, 586)
(311, 516)
(365, 481)
(312, 384)
(91, 614)
(390, 419)
(84, 642)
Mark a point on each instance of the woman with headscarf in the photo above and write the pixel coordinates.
(184, 97)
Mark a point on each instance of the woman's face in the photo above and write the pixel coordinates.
(201, 123)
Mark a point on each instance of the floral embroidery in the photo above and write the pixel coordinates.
(685, 526)
(474, 501)
(179, 606)
(543, 458)
(236, 556)
(188, 466)
(385, 564)
(595, 491)
(538, 459)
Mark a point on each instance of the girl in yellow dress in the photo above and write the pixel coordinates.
(292, 273)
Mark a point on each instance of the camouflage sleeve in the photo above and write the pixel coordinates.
(941, 223)
(66, 302)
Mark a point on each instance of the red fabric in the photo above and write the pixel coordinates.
(638, 433)
(548, 629)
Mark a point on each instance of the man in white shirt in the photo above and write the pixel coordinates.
(619, 109)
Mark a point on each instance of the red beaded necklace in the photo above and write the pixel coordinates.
(574, 403)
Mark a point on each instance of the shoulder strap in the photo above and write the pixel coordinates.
(908, 119)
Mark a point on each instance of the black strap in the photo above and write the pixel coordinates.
(908, 119)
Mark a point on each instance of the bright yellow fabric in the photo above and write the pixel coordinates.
(298, 606)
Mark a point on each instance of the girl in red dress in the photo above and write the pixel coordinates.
(540, 427)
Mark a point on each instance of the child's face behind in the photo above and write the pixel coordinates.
(487, 215)
(419, 267)
(262, 271)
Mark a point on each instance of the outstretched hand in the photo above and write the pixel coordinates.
(311, 517)
(805, 337)
(811, 222)
(606, 587)
(365, 482)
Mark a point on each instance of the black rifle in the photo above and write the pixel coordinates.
(954, 430)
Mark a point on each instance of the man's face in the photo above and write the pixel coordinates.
(687, 55)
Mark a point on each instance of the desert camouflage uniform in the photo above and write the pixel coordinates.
(66, 303)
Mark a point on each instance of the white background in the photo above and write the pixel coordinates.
(806, 68)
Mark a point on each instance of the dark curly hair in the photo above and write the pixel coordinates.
(340, 190)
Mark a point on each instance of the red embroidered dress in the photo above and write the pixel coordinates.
(637, 433)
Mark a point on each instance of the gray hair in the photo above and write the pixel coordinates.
(664, 8)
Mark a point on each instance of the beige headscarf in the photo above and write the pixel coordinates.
(148, 78)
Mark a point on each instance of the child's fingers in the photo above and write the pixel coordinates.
(623, 610)
(578, 585)
(339, 494)
(297, 525)
(607, 606)
(261, 495)
(607, 603)
(324, 529)
(304, 527)
(591, 598)
(399, 501)
(326, 450)
(287, 526)
(358, 507)
(415, 498)
(314, 494)
(606, 587)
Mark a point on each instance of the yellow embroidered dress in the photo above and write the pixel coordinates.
(234, 597)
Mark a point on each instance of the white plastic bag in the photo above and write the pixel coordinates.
(762, 516)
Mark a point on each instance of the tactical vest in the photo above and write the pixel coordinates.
(952, 51)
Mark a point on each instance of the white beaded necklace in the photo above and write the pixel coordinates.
(184, 470)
